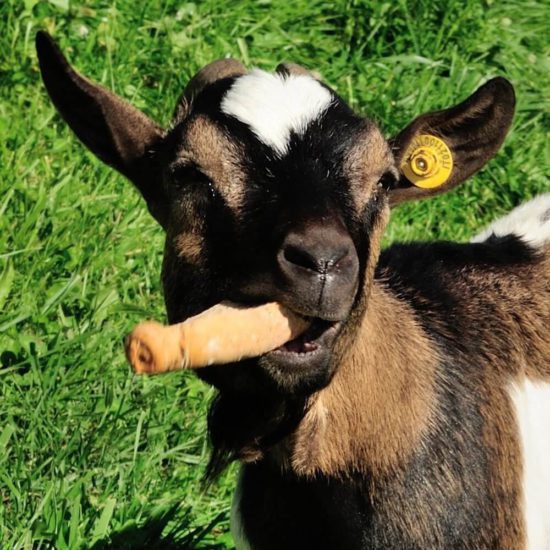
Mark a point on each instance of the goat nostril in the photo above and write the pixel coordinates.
(318, 260)
(300, 257)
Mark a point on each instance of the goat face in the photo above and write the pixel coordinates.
(270, 188)
(272, 185)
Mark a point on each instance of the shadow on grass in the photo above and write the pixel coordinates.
(156, 534)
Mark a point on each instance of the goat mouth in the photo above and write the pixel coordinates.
(309, 348)
(310, 340)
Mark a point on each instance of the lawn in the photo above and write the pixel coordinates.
(91, 456)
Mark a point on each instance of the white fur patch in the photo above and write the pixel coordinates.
(530, 221)
(275, 105)
(532, 404)
(237, 531)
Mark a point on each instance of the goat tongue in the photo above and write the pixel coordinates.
(299, 345)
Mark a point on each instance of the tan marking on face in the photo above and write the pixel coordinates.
(218, 157)
(366, 162)
(189, 246)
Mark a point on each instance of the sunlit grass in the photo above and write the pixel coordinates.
(88, 453)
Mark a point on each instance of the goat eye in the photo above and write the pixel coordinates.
(183, 175)
(387, 181)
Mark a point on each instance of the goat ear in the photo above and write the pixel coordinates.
(439, 150)
(119, 134)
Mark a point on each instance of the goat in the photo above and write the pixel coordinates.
(415, 412)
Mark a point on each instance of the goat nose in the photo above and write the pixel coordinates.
(318, 270)
(312, 256)
(318, 251)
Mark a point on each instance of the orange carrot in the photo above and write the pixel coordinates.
(222, 334)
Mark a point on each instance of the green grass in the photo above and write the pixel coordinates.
(91, 456)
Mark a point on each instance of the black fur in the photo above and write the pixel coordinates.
(426, 276)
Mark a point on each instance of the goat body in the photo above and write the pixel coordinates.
(414, 411)
(435, 431)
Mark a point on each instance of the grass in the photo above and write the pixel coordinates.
(90, 456)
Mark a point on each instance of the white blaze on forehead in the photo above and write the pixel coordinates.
(274, 105)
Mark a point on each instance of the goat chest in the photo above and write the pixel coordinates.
(275, 512)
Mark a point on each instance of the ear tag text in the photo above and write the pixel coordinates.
(427, 162)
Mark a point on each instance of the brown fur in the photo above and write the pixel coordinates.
(374, 411)
(516, 337)
(365, 164)
(516, 344)
(189, 246)
(219, 158)
(501, 438)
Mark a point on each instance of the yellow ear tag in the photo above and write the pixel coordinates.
(427, 162)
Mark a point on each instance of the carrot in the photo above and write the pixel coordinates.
(222, 334)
